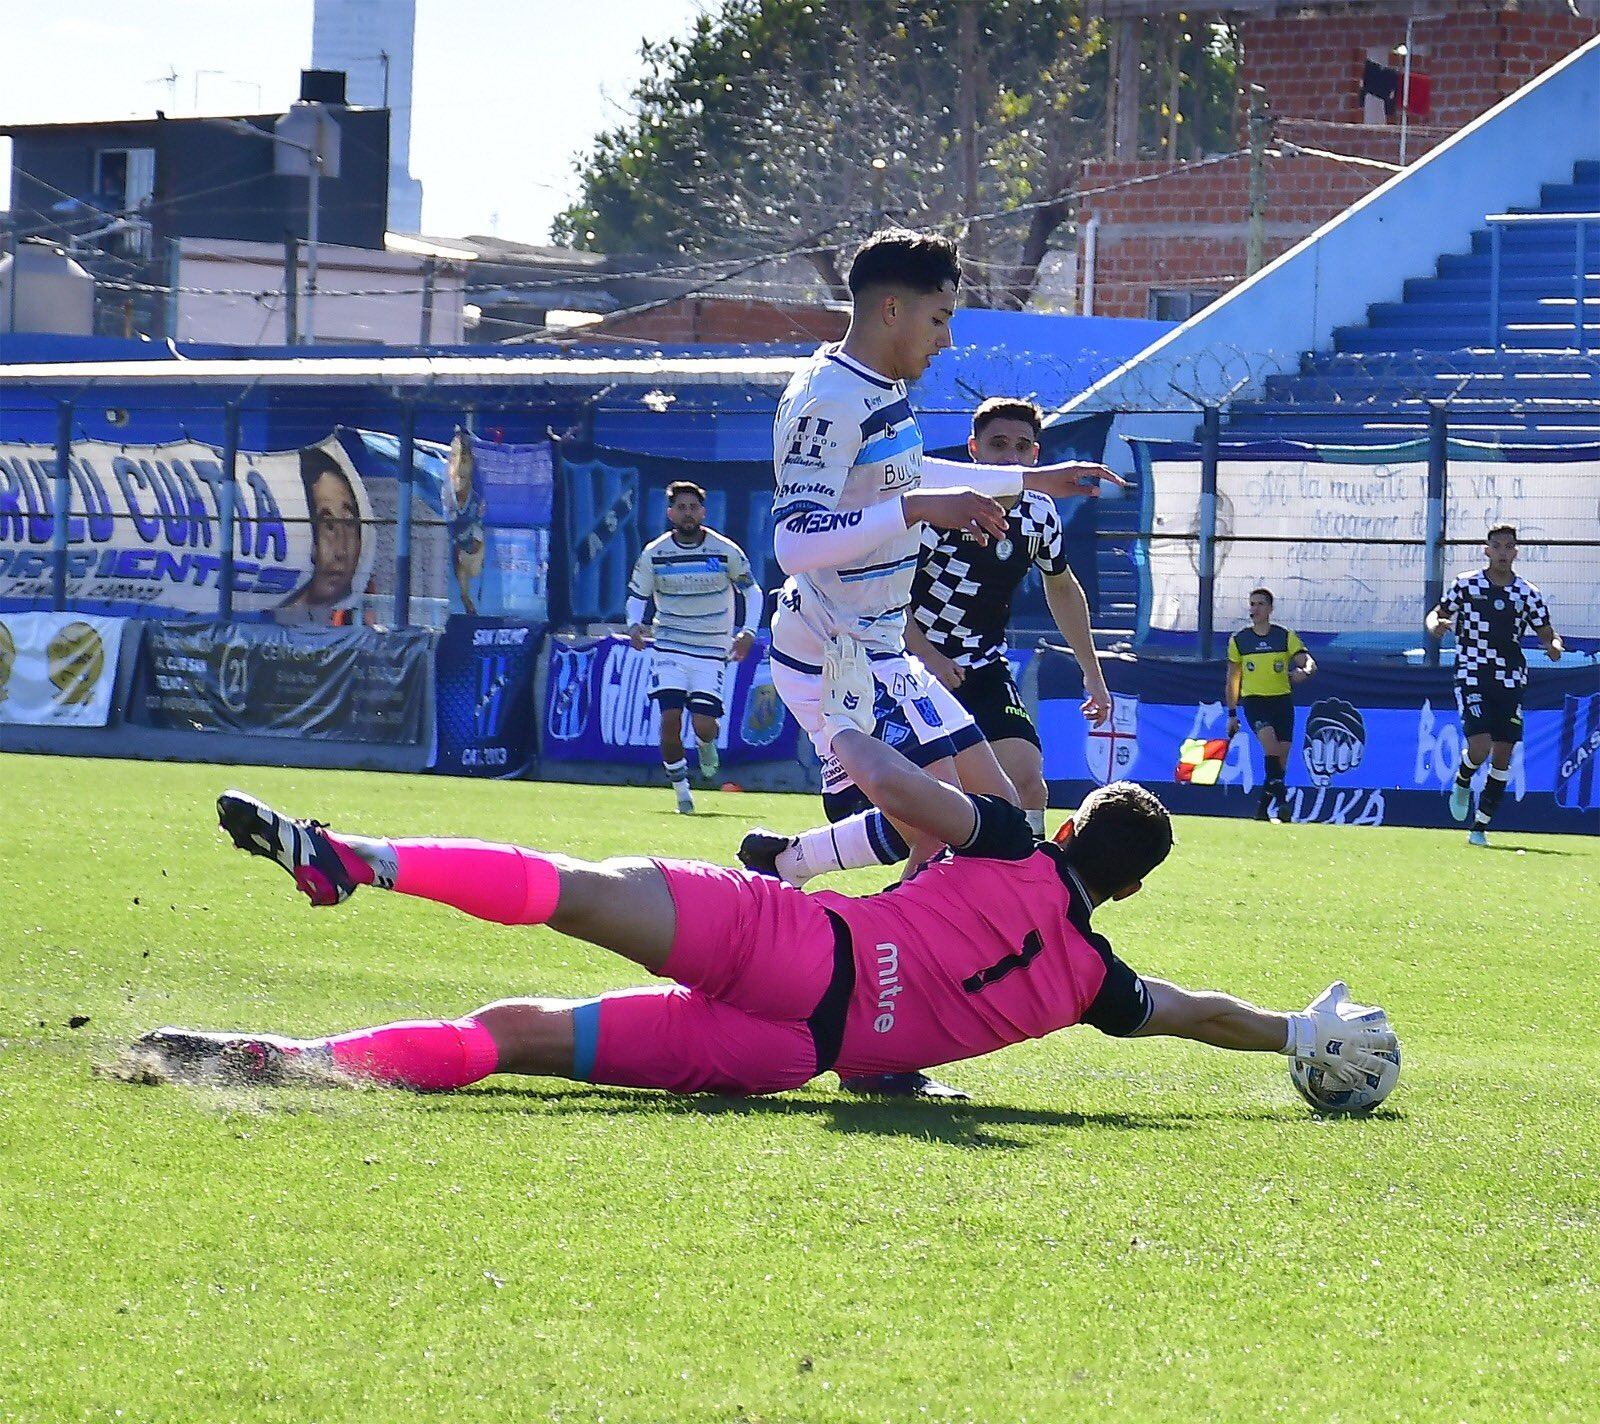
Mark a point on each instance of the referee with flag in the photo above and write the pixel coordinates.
(1265, 661)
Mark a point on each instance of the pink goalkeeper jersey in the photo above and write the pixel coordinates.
(972, 955)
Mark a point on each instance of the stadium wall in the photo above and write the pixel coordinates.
(1364, 256)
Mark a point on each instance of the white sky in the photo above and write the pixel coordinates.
(506, 93)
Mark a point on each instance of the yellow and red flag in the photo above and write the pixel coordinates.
(1200, 761)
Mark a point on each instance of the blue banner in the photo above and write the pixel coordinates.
(1374, 744)
(484, 681)
(597, 707)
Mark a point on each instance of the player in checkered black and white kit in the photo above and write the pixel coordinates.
(1491, 610)
(961, 602)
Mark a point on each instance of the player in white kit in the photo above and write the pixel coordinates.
(692, 572)
(849, 511)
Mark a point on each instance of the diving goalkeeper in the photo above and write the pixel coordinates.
(989, 945)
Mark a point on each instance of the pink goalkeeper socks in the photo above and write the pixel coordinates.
(431, 1055)
(502, 883)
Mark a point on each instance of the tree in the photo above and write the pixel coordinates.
(798, 126)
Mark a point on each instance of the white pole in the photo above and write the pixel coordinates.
(315, 180)
(1405, 95)
(1091, 235)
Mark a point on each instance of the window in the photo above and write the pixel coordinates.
(124, 186)
(1178, 303)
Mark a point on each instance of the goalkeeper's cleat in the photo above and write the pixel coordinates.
(903, 1085)
(226, 1059)
(1476, 837)
(1460, 801)
(760, 849)
(300, 847)
(1342, 1038)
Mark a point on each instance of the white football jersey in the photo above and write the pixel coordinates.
(693, 587)
(844, 438)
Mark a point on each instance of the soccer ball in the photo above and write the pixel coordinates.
(1328, 1095)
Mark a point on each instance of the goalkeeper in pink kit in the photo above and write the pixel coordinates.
(988, 945)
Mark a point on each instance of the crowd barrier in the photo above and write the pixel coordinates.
(1391, 730)
(1375, 743)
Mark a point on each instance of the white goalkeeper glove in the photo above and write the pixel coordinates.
(848, 689)
(1342, 1038)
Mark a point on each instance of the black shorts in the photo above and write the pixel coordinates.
(990, 694)
(1274, 712)
(1491, 708)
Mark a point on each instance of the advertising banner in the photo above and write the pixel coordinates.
(58, 669)
(597, 707)
(1374, 744)
(497, 503)
(484, 680)
(143, 531)
(1337, 533)
(336, 684)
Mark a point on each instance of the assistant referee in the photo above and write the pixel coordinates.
(1265, 660)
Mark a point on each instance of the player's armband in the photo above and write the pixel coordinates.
(1002, 831)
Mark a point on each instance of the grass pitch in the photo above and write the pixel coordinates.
(1147, 1231)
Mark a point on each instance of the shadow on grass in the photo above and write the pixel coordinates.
(1524, 850)
(956, 1124)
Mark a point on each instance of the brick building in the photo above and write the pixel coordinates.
(1165, 246)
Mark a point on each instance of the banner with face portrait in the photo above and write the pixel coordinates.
(144, 530)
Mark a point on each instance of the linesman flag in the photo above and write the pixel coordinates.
(1200, 761)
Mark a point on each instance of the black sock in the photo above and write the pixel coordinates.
(1465, 772)
(1494, 787)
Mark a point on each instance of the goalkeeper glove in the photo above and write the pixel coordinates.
(848, 689)
(1342, 1038)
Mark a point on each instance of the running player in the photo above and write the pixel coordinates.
(1265, 662)
(1491, 609)
(848, 509)
(989, 945)
(692, 573)
(961, 602)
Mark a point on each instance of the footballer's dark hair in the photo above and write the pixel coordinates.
(1120, 833)
(678, 487)
(1007, 408)
(1510, 529)
(1266, 593)
(898, 257)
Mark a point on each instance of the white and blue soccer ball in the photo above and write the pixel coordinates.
(1329, 1094)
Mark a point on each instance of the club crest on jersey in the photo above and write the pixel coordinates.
(1112, 750)
(1002, 550)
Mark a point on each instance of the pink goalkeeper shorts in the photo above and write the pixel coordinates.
(757, 1004)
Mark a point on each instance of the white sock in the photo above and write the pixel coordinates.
(677, 772)
(1035, 819)
(378, 854)
(845, 846)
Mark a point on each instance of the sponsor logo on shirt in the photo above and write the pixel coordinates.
(889, 986)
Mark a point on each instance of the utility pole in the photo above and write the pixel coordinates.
(967, 48)
(1260, 135)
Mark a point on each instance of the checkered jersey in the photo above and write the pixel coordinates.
(961, 597)
(1489, 620)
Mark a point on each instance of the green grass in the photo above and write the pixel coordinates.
(1145, 1231)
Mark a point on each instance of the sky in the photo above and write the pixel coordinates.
(506, 92)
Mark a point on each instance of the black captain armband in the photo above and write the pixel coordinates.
(1002, 831)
